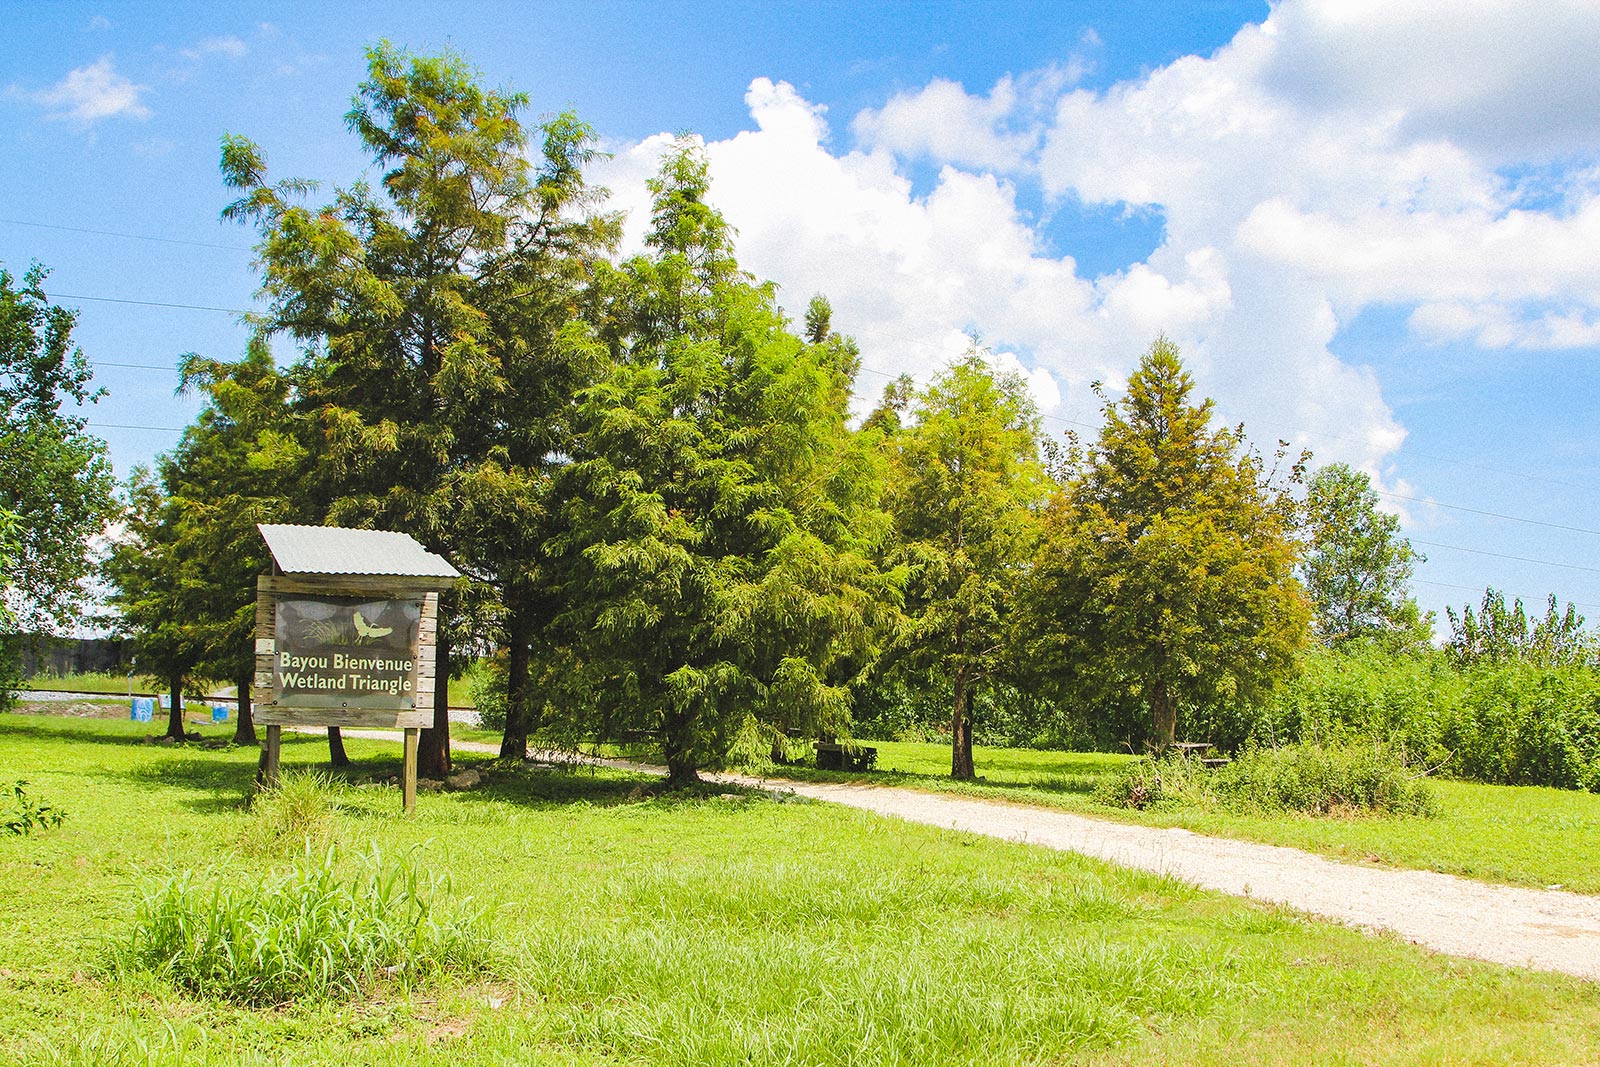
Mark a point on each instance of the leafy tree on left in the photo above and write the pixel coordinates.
(184, 575)
(432, 314)
(56, 495)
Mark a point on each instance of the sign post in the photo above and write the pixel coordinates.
(346, 637)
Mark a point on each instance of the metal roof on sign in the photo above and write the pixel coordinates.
(336, 550)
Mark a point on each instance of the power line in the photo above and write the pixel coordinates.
(150, 303)
(1503, 592)
(128, 426)
(131, 366)
(1502, 555)
(129, 236)
(1490, 514)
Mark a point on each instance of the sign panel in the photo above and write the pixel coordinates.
(346, 652)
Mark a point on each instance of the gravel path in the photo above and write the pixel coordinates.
(1546, 930)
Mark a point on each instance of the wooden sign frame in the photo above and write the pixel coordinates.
(276, 711)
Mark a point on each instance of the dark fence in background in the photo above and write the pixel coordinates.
(53, 656)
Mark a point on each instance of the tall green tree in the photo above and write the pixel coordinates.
(58, 485)
(432, 315)
(717, 566)
(1496, 633)
(154, 583)
(1168, 569)
(965, 488)
(1357, 564)
(239, 463)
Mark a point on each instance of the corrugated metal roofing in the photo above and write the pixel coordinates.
(336, 550)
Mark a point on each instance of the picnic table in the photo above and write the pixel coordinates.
(1186, 749)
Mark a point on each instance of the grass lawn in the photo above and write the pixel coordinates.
(707, 928)
(1522, 835)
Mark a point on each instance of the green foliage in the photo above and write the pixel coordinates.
(1295, 779)
(1522, 724)
(489, 691)
(718, 525)
(1151, 784)
(1166, 571)
(296, 814)
(1497, 634)
(10, 669)
(1318, 780)
(964, 486)
(24, 814)
(57, 491)
(1357, 564)
(1507, 722)
(439, 356)
(310, 934)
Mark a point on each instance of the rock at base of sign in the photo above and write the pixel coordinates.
(466, 779)
(429, 785)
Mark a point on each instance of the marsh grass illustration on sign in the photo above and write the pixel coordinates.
(352, 652)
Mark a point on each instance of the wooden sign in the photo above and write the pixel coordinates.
(346, 649)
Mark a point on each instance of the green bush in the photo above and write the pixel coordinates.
(1505, 723)
(1315, 780)
(1308, 779)
(295, 814)
(311, 934)
(489, 691)
(1169, 782)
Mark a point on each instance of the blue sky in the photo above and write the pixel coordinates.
(1370, 227)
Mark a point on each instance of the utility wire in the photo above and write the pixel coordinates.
(129, 236)
(150, 303)
(1502, 555)
(1515, 596)
(1490, 514)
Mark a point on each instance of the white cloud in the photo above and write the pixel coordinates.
(89, 94)
(1338, 156)
(229, 45)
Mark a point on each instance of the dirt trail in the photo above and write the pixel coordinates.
(1545, 930)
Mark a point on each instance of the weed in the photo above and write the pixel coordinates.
(296, 813)
(27, 814)
(1303, 779)
(311, 934)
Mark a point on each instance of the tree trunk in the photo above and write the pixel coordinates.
(433, 747)
(681, 773)
(677, 746)
(244, 731)
(175, 713)
(514, 742)
(336, 754)
(1164, 716)
(961, 733)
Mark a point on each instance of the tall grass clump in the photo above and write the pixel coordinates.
(1304, 779)
(295, 814)
(1317, 780)
(310, 934)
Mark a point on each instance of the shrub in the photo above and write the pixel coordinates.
(296, 813)
(1164, 783)
(1315, 780)
(1308, 779)
(310, 934)
(489, 690)
(25, 814)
